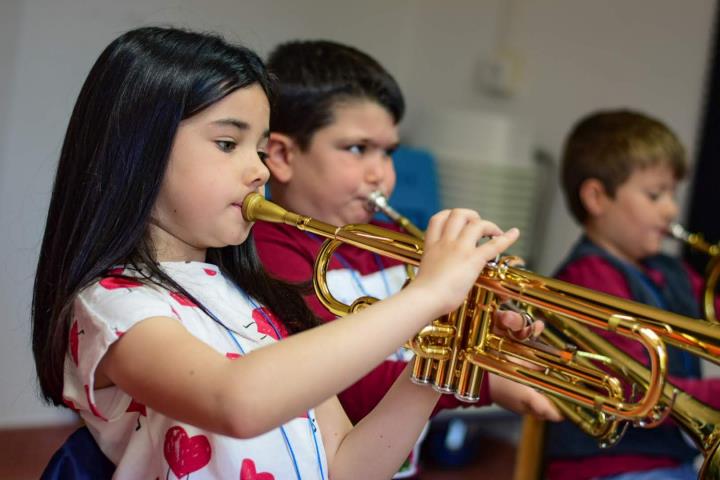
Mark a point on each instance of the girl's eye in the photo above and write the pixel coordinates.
(226, 146)
(262, 155)
(357, 149)
(390, 151)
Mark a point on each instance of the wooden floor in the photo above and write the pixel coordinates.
(25, 452)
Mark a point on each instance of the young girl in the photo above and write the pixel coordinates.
(150, 307)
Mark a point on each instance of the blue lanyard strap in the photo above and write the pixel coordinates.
(284, 434)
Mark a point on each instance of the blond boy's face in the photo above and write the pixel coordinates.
(633, 224)
(344, 163)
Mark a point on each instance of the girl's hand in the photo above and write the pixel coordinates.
(521, 399)
(454, 255)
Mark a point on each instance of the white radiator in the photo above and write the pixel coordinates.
(485, 161)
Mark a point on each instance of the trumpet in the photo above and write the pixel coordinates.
(712, 271)
(454, 351)
(606, 429)
(699, 420)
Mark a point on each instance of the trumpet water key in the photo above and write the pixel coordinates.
(454, 351)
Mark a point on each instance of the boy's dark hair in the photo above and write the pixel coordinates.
(111, 166)
(315, 75)
(609, 146)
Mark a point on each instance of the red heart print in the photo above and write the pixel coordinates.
(74, 341)
(112, 283)
(136, 406)
(185, 454)
(248, 472)
(91, 405)
(182, 299)
(70, 404)
(261, 316)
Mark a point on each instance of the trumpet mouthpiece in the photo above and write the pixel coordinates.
(377, 201)
(678, 231)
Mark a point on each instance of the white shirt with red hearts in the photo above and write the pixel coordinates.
(146, 444)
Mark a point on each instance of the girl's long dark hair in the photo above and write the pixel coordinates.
(111, 166)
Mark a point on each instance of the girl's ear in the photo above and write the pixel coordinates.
(280, 155)
(593, 196)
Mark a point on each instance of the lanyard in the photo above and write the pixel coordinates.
(284, 434)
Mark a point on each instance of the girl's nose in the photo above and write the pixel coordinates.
(258, 174)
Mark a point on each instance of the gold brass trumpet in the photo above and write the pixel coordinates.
(454, 351)
(699, 420)
(606, 429)
(712, 271)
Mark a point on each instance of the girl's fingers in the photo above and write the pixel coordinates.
(458, 221)
(477, 230)
(460, 224)
(435, 227)
(498, 244)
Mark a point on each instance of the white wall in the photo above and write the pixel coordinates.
(576, 55)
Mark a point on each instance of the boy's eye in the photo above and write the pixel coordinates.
(357, 149)
(654, 196)
(226, 146)
(262, 155)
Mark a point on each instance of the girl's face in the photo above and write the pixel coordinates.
(215, 161)
(633, 224)
(346, 161)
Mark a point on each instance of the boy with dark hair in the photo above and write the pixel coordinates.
(333, 132)
(619, 174)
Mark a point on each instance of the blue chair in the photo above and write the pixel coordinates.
(79, 458)
(416, 193)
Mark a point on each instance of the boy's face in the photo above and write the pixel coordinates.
(632, 225)
(344, 162)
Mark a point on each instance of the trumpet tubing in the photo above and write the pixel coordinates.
(454, 351)
(695, 335)
(699, 420)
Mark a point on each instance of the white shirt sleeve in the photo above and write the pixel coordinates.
(102, 313)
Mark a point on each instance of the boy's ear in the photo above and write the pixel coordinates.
(593, 196)
(280, 156)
